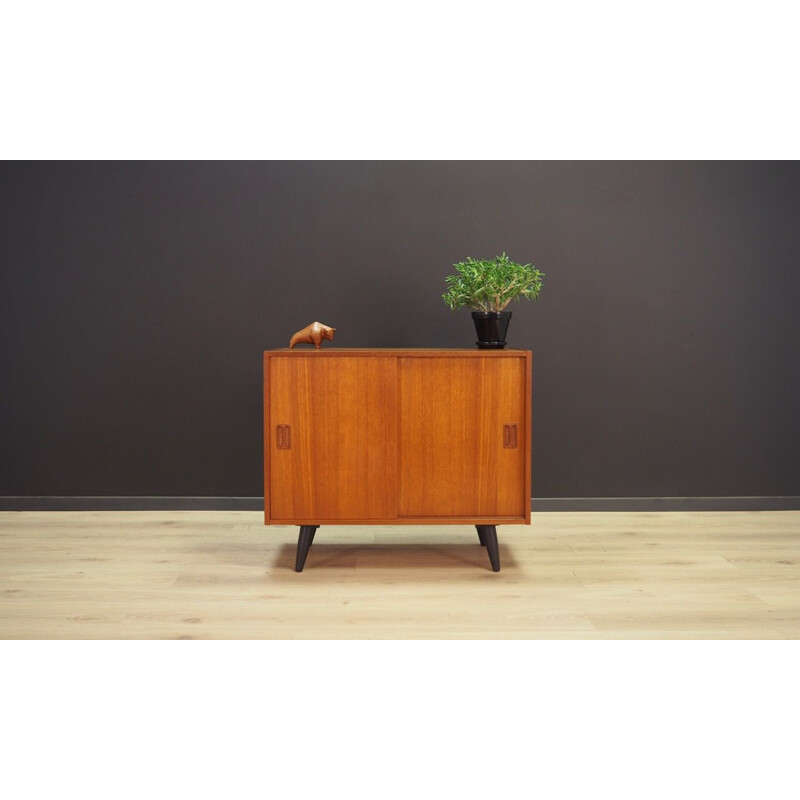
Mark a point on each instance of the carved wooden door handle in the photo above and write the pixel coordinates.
(510, 437)
(283, 434)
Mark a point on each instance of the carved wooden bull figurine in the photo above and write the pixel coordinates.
(312, 334)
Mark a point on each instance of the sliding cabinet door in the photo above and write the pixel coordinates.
(332, 437)
(462, 437)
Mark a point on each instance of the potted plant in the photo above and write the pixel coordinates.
(488, 286)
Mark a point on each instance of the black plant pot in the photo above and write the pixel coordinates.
(491, 327)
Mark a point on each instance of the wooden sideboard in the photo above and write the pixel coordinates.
(384, 436)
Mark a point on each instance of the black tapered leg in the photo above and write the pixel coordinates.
(490, 537)
(303, 544)
(481, 536)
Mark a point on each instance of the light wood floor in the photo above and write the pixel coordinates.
(224, 575)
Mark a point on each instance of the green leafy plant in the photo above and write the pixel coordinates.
(490, 285)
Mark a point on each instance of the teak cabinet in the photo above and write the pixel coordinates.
(359, 436)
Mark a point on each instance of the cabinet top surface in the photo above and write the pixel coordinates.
(510, 352)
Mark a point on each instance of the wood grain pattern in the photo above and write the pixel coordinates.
(427, 427)
(528, 434)
(222, 575)
(342, 461)
(452, 417)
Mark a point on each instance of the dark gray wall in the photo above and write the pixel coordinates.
(136, 299)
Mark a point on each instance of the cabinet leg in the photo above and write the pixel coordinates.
(481, 536)
(303, 544)
(490, 537)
